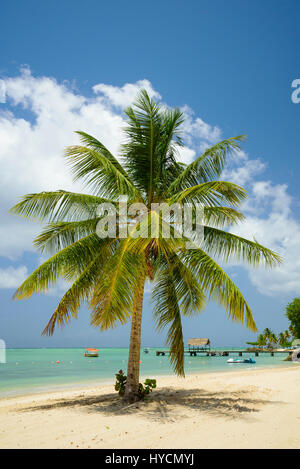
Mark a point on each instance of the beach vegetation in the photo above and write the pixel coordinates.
(269, 339)
(293, 315)
(144, 389)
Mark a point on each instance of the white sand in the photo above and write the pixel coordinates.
(241, 409)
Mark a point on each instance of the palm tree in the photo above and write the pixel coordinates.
(273, 339)
(282, 339)
(261, 340)
(270, 337)
(110, 273)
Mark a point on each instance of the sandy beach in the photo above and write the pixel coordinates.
(238, 409)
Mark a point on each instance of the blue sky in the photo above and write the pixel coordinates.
(229, 64)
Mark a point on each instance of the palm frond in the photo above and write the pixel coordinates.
(228, 246)
(68, 264)
(113, 296)
(167, 315)
(222, 216)
(208, 166)
(211, 194)
(188, 289)
(57, 236)
(140, 152)
(99, 173)
(169, 141)
(218, 286)
(58, 205)
(153, 233)
(76, 295)
(91, 142)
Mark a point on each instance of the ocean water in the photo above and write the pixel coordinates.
(36, 370)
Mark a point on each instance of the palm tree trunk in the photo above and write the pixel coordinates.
(133, 368)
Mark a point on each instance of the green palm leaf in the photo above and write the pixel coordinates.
(91, 142)
(80, 291)
(141, 151)
(218, 286)
(113, 295)
(211, 194)
(58, 205)
(208, 166)
(57, 236)
(222, 216)
(167, 314)
(99, 173)
(228, 246)
(68, 264)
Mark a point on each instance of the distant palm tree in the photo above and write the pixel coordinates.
(267, 332)
(110, 273)
(282, 339)
(261, 340)
(270, 337)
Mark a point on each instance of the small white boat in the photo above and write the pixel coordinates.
(240, 360)
(146, 350)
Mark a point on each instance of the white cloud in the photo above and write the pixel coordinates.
(32, 146)
(12, 278)
(269, 220)
(37, 121)
(31, 150)
(124, 96)
(241, 169)
(198, 133)
(2, 92)
(186, 155)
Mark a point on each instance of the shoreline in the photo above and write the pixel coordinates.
(110, 382)
(105, 384)
(237, 409)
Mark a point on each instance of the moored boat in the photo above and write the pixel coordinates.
(238, 360)
(91, 352)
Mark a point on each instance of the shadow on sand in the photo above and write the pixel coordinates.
(165, 403)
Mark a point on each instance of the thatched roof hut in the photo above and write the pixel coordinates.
(199, 343)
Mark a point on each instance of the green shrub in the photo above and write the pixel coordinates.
(120, 383)
(144, 389)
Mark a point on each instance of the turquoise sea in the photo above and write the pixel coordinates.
(36, 370)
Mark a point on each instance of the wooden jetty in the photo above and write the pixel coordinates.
(201, 346)
(224, 353)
